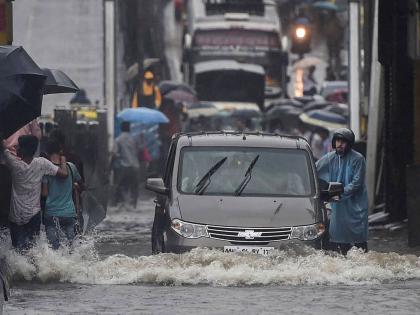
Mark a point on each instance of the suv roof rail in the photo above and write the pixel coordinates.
(244, 133)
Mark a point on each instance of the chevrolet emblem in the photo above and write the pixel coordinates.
(249, 234)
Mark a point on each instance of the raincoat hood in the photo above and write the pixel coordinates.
(343, 133)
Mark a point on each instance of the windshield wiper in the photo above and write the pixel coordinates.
(205, 180)
(247, 178)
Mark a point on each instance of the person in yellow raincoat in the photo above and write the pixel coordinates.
(148, 95)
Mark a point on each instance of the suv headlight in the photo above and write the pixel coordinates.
(307, 232)
(189, 230)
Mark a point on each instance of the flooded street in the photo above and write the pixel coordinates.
(114, 273)
(248, 119)
(153, 299)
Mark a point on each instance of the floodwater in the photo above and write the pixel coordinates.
(114, 273)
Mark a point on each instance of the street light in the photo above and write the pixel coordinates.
(301, 40)
(300, 32)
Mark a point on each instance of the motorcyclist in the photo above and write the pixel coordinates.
(349, 218)
(301, 34)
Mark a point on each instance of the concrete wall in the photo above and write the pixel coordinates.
(67, 35)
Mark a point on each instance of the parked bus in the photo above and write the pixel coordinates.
(245, 31)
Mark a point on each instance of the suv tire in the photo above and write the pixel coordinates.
(158, 242)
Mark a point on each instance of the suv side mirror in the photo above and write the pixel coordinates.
(156, 185)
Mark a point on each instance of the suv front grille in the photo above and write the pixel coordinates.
(249, 236)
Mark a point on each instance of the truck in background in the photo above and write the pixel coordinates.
(246, 32)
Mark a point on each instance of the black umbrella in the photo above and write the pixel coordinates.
(80, 97)
(305, 99)
(246, 113)
(200, 105)
(323, 118)
(316, 105)
(286, 115)
(58, 82)
(93, 211)
(325, 5)
(21, 86)
(341, 109)
(285, 101)
(282, 112)
(180, 96)
(168, 86)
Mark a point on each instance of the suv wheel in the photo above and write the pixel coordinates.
(158, 242)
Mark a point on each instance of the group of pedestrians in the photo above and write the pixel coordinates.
(51, 177)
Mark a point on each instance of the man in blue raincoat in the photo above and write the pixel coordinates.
(349, 218)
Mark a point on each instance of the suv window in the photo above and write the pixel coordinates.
(170, 164)
(277, 172)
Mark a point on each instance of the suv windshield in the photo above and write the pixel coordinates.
(277, 172)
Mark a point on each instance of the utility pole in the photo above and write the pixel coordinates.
(6, 22)
(354, 67)
(375, 113)
(144, 19)
(110, 82)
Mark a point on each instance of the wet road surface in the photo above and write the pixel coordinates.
(114, 273)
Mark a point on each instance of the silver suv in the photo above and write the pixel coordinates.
(238, 192)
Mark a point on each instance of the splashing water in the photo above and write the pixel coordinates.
(303, 266)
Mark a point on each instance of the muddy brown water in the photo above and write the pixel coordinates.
(113, 272)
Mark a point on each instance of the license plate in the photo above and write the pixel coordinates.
(248, 249)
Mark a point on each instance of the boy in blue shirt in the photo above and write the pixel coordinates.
(60, 211)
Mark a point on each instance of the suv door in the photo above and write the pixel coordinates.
(162, 202)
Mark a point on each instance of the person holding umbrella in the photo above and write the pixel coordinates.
(27, 173)
(11, 144)
(148, 95)
(22, 86)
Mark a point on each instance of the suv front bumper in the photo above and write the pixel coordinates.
(175, 243)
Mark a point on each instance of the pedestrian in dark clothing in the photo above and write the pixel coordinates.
(334, 32)
(148, 94)
(349, 218)
(58, 136)
(126, 165)
(309, 82)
